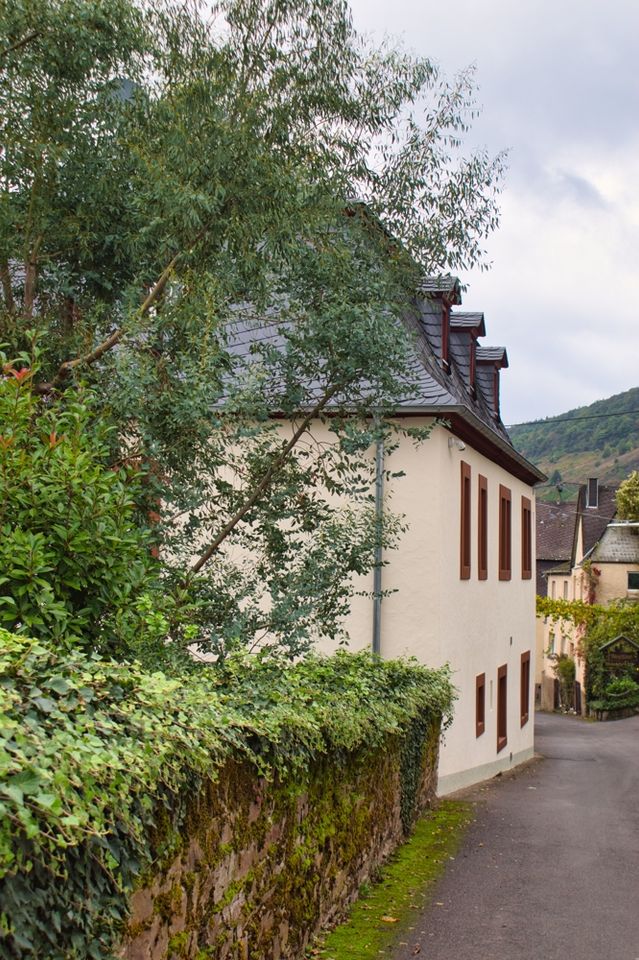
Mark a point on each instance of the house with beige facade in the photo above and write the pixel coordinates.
(600, 564)
(459, 588)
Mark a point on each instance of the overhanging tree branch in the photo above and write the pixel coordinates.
(20, 43)
(114, 338)
(262, 486)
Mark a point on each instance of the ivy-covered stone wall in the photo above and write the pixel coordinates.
(224, 811)
(266, 864)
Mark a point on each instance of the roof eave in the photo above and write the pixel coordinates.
(469, 427)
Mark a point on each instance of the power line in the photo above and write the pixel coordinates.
(590, 416)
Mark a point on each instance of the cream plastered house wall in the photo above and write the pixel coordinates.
(612, 584)
(560, 637)
(433, 615)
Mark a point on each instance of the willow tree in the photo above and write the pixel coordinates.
(174, 174)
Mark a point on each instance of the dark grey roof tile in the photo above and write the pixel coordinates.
(492, 354)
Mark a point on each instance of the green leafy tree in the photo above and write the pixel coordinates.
(171, 176)
(597, 625)
(628, 498)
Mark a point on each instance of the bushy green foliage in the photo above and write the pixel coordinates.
(98, 761)
(186, 173)
(74, 556)
(620, 694)
(598, 624)
(628, 498)
(565, 671)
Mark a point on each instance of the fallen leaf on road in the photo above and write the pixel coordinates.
(416, 949)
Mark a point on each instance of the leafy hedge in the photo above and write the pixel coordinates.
(98, 761)
(620, 694)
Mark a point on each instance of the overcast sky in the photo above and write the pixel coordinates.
(559, 87)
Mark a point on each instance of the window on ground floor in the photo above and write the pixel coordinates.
(524, 700)
(502, 707)
(480, 704)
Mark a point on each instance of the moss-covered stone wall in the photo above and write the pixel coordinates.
(263, 865)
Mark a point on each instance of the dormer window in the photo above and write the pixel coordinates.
(491, 361)
(464, 328)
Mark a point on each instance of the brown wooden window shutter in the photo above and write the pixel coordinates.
(526, 539)
(482, 529)
(465, 518)
(525, 688)
(502, 707)
(480, 704)
(505, 533)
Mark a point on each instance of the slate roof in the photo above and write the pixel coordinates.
(555, 530)
(452, 385)
(619, 544)
(489, 354)
(463, 320)
(596, 519)
(437, 285)
(435, 389)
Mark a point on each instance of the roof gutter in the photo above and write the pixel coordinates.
(470, 428)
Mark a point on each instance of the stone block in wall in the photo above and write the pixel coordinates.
(265, 865)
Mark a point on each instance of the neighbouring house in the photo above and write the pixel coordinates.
(460, 587)
(594, 557)
(555, 531)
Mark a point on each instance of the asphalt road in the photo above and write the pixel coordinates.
(550, 868)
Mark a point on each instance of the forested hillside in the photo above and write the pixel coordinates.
(598, 440)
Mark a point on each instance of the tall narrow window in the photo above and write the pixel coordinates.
(480, 704)
(482, 529)
(464, 547)
(505, 525)
(502, 707)
(524, 698)
(526, 539)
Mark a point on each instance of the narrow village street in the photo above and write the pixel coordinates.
(550, 868)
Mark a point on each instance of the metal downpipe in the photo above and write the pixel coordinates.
(377, 569)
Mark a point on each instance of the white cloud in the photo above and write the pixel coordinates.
(559, 86)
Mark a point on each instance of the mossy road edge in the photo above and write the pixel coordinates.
(385, 910)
